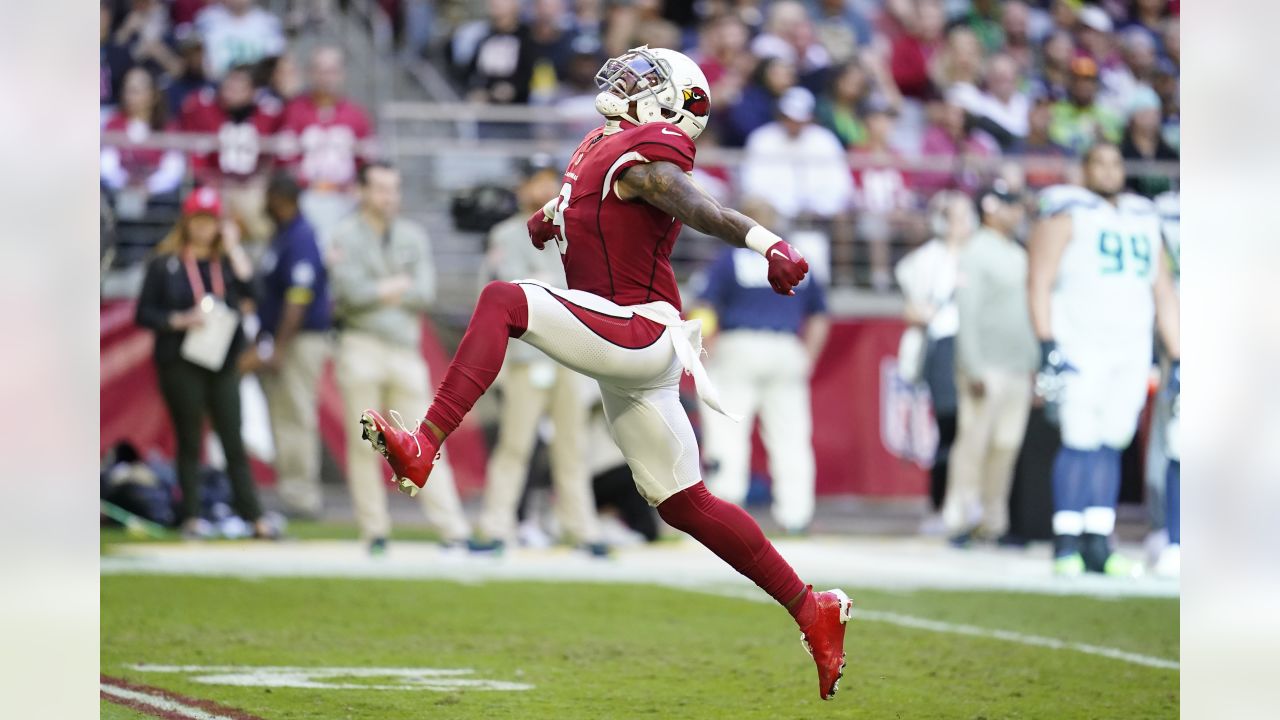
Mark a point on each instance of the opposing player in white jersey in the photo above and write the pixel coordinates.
(1098, 281)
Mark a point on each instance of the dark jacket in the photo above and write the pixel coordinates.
(166, 290)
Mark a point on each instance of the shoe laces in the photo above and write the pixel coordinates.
(395, 417)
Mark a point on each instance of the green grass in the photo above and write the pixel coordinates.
(297, 530)
(625, 651)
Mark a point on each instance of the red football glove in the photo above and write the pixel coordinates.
(787, 267)
(541, 230)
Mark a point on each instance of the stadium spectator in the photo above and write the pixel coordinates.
(1149, 16)
(927, 276)
(797, 165)
(843, 27)
(757, 104)
(1142, 141)
(1079, 121)
(1120, 83)
(1094, 39)
(237, 32)
(114, 60)
(190, 79)
(183, 13)
(138, 175)
(957, 69)
(1038, 146)
(882, 195)
(196, 282)
(145, 32)
(1166, 86)
(1015, 25)
(1003, 102)
(279, 78)
(722, 54)
(951, 136)
(552, 47)
(534, 386)
(983, 19)
(329, 135)
(1172, 41)
(1056, 54)
(762, 356)
(239, 121)
(382, 288)
(501, 67)
(996, 353)
(293, 346)
(789, 34)
(915, 42)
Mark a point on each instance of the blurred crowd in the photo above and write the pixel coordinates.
(867, 129)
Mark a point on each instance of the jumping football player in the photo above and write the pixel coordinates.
(1097, 283)
(625, 196)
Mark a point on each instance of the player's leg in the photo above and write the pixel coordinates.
(786, 426)
(1077, 460)
(522, 406)
(726, 445)
(407, 386)
(575, 503)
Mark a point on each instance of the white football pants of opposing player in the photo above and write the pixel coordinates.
(763, 374)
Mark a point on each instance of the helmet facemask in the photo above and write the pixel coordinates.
(641, 77)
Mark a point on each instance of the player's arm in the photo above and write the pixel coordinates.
(1049, 238)
(1168, 311)
(665, 186)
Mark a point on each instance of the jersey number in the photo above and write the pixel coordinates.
(1117, 255)
(557, 219)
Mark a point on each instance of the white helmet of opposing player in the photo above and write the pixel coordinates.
(665, 85)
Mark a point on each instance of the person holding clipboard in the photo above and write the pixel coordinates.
(191, 298)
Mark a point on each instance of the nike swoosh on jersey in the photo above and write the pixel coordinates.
(668, 132)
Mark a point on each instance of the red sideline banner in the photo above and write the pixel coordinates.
(133, 410)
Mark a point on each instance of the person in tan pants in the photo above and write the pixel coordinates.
(995, 358)
(383, 283)
(533, 385)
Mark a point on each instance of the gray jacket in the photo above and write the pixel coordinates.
(364, 260)
(991, 292)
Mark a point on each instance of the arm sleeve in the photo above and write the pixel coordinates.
(152, 311)
(303, 265)
(423, 291)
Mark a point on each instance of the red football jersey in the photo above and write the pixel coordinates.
(616, 248)
(137, 161)
(239, 142)
(328, 140)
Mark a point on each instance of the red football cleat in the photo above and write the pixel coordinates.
(411, 455)
(824, 638)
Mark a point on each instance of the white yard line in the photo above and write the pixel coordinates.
(160, 702)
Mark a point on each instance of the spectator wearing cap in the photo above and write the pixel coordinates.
(1143, 141)
(237, 32)
(136, 175)
(882, 196)
(1079, 121)
(533, 386)
(995, 357)
(1093, 36)
(763, 348)
(293, 346)
(382, 288)
(796, 164)
(196, 282)
(328, 136)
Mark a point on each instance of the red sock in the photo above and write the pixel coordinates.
(502, 312)
(729, 532)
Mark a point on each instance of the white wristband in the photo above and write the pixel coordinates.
(760, 239)
(549, 209)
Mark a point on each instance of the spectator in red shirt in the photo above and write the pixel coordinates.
(137, 175)
(236, 165)
(328, 136)
(914, 47)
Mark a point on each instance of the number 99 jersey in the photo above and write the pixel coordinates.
(1103, 297)
(615, 248)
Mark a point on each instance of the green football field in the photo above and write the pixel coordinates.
(520, 649)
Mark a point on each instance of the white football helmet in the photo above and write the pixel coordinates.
(665, 85)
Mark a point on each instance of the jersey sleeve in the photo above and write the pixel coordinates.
(1058, 199)
(654, 142)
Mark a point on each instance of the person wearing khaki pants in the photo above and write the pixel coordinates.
(383, 284)
(293, 346)
(995, 358)
(533, 385)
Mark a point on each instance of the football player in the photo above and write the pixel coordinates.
(625, 196)
(1097, 284)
